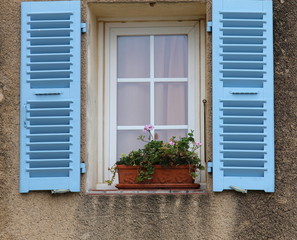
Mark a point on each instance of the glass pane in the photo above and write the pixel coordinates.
(127, 141)
(171, 103)
(133, 104)
(166, 135)
(171, 56)
(134, 57)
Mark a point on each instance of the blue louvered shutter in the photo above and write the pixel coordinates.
(243, 124)
(50, 96)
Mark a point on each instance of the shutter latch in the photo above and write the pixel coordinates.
(82, 168)
(209, 26)
(83, 27)
(209, 167)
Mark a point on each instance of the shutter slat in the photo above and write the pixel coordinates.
(49, 38)
(53, 13)
(50, 30)
(239, 70)
(242, 62)
(243, 134)
(48, 135)
(242, 125)
(242, 117)
(47, 63)
(50, 117)
(242, 28)
(236, 142)
(240, 13)
(51, 21)
(243, 100)
(49, 79)
(51, 71)
(242, 45)
(240, 108)
(48, 169)
(244, 37)
(48, 143)
(244, 168)
(49, 151)
(50, 96)
(50, 54)
(49, 109)
(243, 160)
(244, 79)
(243, 141)
(50, 46)
(48, 160)
(243, 20)
(257, 54)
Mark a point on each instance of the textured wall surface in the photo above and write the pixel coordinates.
(227, 215)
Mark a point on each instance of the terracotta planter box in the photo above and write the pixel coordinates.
(164, 177)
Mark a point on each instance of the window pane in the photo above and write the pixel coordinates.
(171, 101)
(134, 57)
(133, 104)
(127, 141)
(171, 56)
(166, 135)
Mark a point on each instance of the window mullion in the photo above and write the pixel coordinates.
(152, 83)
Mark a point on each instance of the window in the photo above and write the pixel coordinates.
(242, 80)
(152, 76)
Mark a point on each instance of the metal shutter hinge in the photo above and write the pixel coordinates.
(209, 167)
(209, 26)
(83, 27)
(82, 168)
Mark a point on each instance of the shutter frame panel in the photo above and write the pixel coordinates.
(50, 96)
(243, 116)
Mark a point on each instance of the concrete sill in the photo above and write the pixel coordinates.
(147, 192)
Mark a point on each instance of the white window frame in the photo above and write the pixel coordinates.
(107, 37)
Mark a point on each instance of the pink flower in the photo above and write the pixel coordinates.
(148, 128)
(171, 143)
(198, 143)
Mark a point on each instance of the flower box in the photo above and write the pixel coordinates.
(175, 177)
(170, 165)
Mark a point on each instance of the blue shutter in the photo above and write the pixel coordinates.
(243, 124)
(50, 96)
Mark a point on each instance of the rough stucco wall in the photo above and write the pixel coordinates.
(227, 215)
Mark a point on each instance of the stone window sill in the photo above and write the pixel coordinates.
(147, 192)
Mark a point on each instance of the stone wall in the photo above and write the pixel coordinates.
(227, 215)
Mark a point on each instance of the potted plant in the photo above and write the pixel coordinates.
(159, 164)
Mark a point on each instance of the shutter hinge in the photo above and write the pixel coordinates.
(83, 27)
(209, 167)
(82, 168)
(209, 26)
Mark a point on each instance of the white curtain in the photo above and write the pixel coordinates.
(133, 104)
(170, 61)
(171, 56)
(133, 57)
